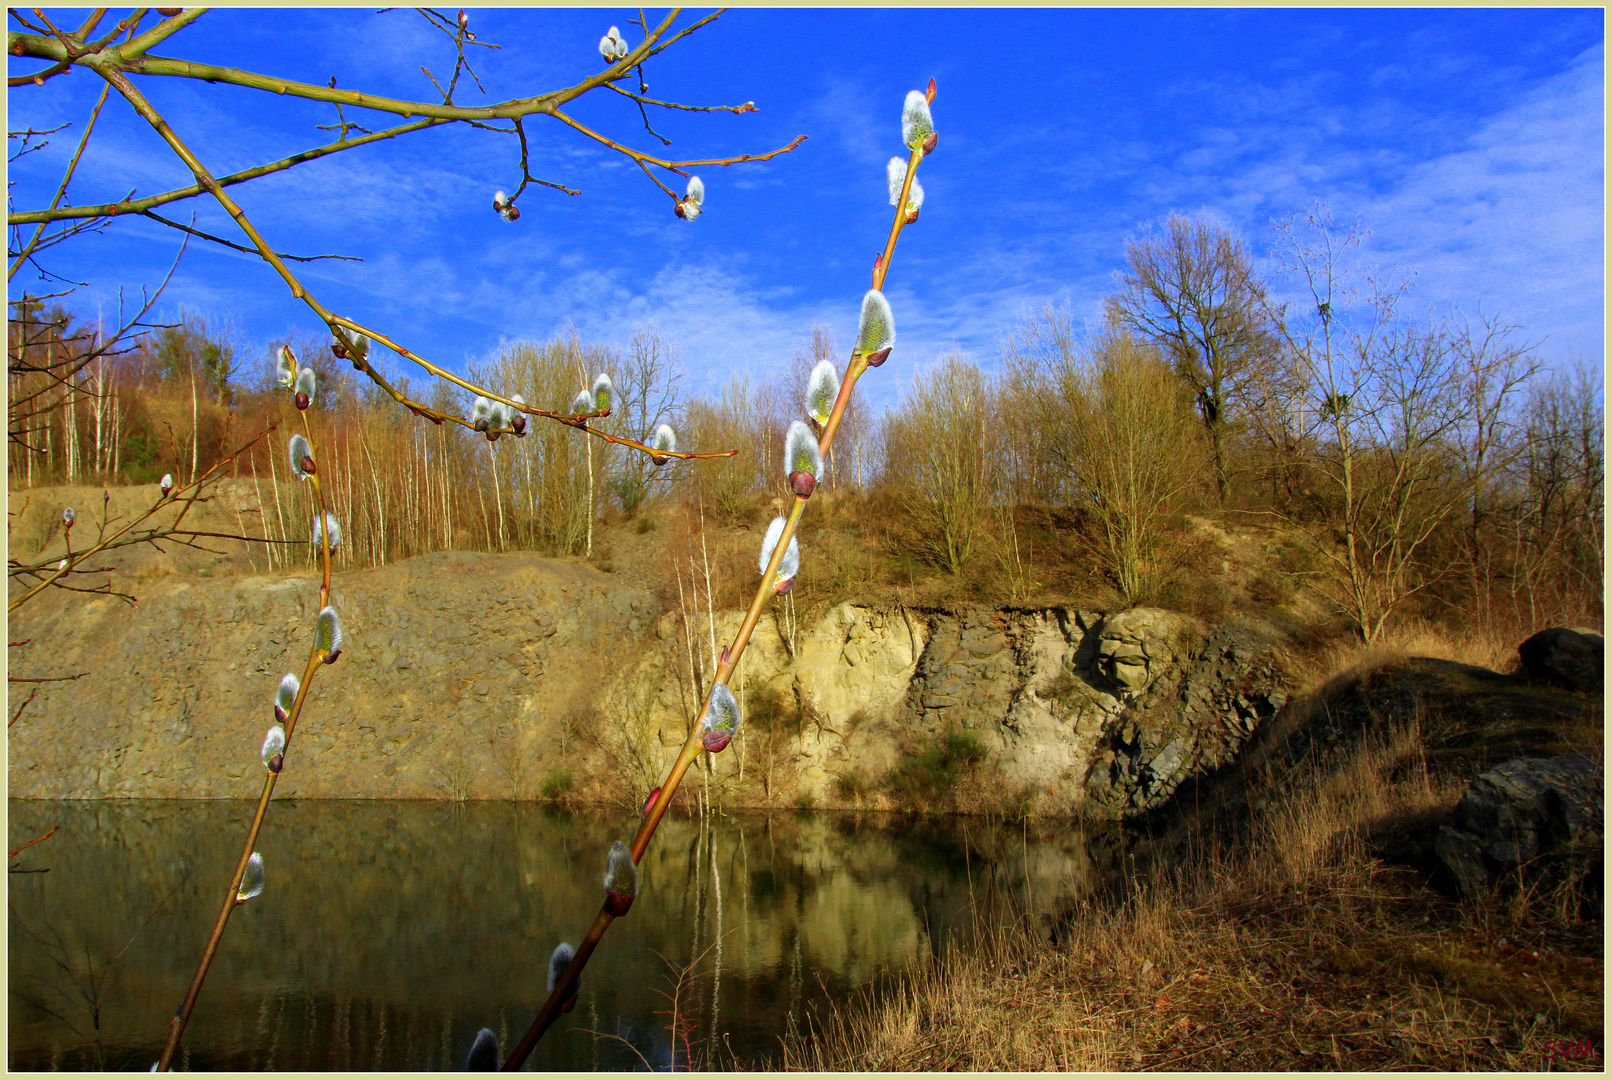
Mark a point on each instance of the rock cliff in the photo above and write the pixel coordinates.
(486, 676)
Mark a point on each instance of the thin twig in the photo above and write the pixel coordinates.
(238, 247)
(17, 851)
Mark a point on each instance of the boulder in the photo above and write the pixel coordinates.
(1573, 657)
(1135, 647)
(1518, 815)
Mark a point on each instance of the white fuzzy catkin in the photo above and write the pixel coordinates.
(331, 526)
(286, 694)
(327, 632)
(916, 122)
(801, 452)
(273, 743)
(721, 716)
(611, 47)
(252, 880)
(559, 960)
(604, 392)
(286, 372)
(621, 873)
(877, 327)
(789, 565)
(298, 450)
(821, 391)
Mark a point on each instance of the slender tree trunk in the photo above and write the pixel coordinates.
(263, 522)
(195, 423)
(279, 508)
(486, 521)
(380, 503)
(100, 411)
(498, 498)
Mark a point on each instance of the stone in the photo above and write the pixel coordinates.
(1136, 646)
(1519, 812)
(1168, 762)
(1570, 657)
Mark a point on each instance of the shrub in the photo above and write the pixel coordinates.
(925, 775)
(558, 784)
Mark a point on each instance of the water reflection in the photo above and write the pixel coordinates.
(389, 933)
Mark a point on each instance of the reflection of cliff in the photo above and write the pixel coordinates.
(441, 918)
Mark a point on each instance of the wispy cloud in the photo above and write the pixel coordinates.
(1515, 219)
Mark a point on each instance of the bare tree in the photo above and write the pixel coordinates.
(1194, 292)
(1559, 524)
(748, 419)
(1119, 423)
(939, 453)
(648, 395)
(1493, 369)
(1384, 406)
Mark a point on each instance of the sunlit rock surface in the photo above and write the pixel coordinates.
(484, 676)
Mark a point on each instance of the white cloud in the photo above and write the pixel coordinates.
(1515, 219)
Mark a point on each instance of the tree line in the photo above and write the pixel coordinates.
(1433, 465)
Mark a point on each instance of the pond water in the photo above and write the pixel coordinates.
(390, 932)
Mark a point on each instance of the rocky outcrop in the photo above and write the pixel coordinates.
(1207, 692)
(1103, 716)
(1522, 816)
(1570, 657)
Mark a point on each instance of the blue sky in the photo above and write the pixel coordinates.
(1470, 141)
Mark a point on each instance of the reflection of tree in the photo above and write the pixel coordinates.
(78, 989)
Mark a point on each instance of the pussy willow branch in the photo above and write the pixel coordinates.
(748, 106)
(18, 851)
(154, 537)
(176, 1028)
(191, 230)
(729, 663)
(135, 206)
(205, 180)
(177, 497)
(673, 166)
(436, 416)
(103, 59)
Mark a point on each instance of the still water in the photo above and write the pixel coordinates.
(390, 932)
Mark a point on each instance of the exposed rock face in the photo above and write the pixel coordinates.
(1571, 657)
(1520, 812)
(457, 666)
(466, 675)
(1197, 709)
(1138, 645)
(1052, 692)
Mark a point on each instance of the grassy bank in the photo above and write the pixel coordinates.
(1298, 944)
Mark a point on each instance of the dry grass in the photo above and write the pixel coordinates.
(1301, 951)
(1347, 657)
